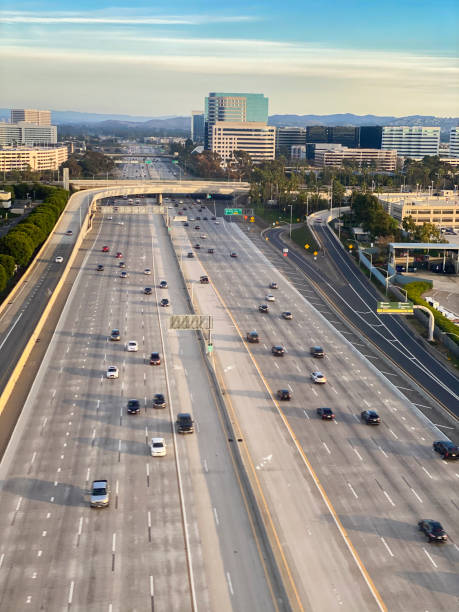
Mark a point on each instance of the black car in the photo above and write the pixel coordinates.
(148, 290)
(214, 218)
(204, 280)
(317, 351)
(122, 264)
(198, 218)
(447, 449)
(263, 308)
(205, 219)
(370, 417)
(115, 335)
(163, 285)
(252, 336)
(284, 394)
(159, 401)
(278, 350)
(155, 359)
(100, 268)
(185, 423)
(164, 302)
(186, 224)
(190, 255)
(133, 406)
(210, 250)
(326, 414)
(233, 254)
(433, 530)
(197, 227)
(273, 285)
(197, 246)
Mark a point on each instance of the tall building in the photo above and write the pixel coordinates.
(414, 141)
(454, 142)
(287, 137)
(31, 115)
(254, 137)
(24, 133)
(233, 107)
(341, 134)
(370, 136)
(316, 133)
(32, 158)
(197, 127)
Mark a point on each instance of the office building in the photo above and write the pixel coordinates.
(441, 210)
(24, 133)
(32, 158)
(341, 134)
(31, 115)
(316, 133)
(454, 142)
(256, 138)
(336, 155)
(233, 107)
(287, 137)
(414, 142)
(370, 136)
(197, 127)
(298, 151)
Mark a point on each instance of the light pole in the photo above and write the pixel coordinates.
(291, 214)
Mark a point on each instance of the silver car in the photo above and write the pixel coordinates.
(100, 494)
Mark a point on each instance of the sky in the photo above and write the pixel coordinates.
(397, 57)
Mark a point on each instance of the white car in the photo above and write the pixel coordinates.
(112, 372)
(59, 259)
(217, 222)
(109, 218)
(132, 346)
(318, 377)
(158, 447)
(270, 298)
(147, 271)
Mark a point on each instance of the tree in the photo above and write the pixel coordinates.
(3, 278)
(8, 263)
(409, 225)
(428, 232)
(18, 245)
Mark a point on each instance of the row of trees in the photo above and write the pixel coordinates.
(90, 163)
(368, 213)
(18, 246)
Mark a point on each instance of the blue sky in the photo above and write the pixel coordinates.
(397, 57)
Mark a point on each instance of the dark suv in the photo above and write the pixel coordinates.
(447, 449)
(433, 530)
(155, 359)
(185, 423)
(159, 401)
(252, 336)
(370, 417)
(204, 280)
(316, 351)
(133, 406)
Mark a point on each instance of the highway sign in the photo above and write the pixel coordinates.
(190, 322)
(148, 161)
(233, 211)
(252, 219)
(395, 308)
(175, 161)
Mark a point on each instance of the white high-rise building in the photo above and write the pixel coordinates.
(413, 141)
(255, 138)
(31, 115)
(24, 133)
(454, 142)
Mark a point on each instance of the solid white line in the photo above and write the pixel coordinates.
(205, 465)
(387, 547)
(416, 495)
(216, 516)
(326, 448)
(72, 585)
(80, 525)
(388, 497)
(352, 489)
(113, 542)
(152, 590)
(357, 453)
(430, 558)
(12, 327)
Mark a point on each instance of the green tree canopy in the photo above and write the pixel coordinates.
(8, 263)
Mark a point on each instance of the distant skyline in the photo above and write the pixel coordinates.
(397, 58)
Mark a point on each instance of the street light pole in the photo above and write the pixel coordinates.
(291, 214)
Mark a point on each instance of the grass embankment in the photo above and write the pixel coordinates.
(301, 235)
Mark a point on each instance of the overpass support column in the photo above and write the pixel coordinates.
(159, 199)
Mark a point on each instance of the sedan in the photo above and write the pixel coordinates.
(287, 315)
(197, 246)
(119, 255)
(210, 250)
(370, 417)
(100, 268)
(147, 271)
(326, 414)
(263, 308)
(164, 302)
(132, 346)
(203, 236)
(318, 378)
(122, 264)
(158, 447)
(133, 406)
(197, 227)
(270, 298)
(69, 233)
(59, 259)
(284, 395)
(159, 401)
(233, 254)
(278, 350)
(148, 291)
(163, 284)
(105, 249)
(433, 530)
(447, 449)
(155, 359)
(273, 285)
(123, 274)
(112, 372)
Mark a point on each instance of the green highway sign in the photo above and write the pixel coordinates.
(395, 308)
(175, 161)
(148, 161)
(233, 211)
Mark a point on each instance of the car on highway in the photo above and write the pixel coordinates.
(109, 218)
(203, 236)
(204, 280)
(317, 351)
(163, 284)
(122, 264)
(263, 308)
(278, 350)
(253, 337)
(318, 378)
(132, 346)
(370, 417)
(155, 359)
(159, 401)
(100, 494)
(147, 271)
(123, 274)
(433, 530)
(69, 233)
(186, 224)
(210, 250)
(148, 290)
(133, 406)
(287, 315)
(446, 448)
(197, 246)
(100, 268)
(233, 254)
(112, 372)
(198, 218)
(59, 259)
(190, 254)
(270, 298)
(115, 335)
(164, 302)
(119, 255)
(105, 249)
(185, 423)
(326, 414)
(217, 222)
(158, 447)
(273, 285)
(284, 395)
(197, 227)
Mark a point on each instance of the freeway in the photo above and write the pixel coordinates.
(177, 535)
(380, 481)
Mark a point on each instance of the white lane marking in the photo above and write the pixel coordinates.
(387, 547)
(87, 475)
(39, 553)
(114, 543)
(326, 448)
(18, 505)
(430, 558)
(11, 329)
(1, 559)
(357, 453)
(43, 534)
(334, 390)
(29, 598)
(306, 414)
(428, 473)
(314, 391)
(416, 495)
(352, 489)
(152, 590)
(205, 465)
(72, 585)
(230, 585)
(80, 525)
(395, 435)
(388, 498)
(216, 516)
(276, 364)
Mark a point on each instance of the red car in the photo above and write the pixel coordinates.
(105, 249)
(119, 255)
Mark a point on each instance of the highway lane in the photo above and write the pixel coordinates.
(381, 480)
(357, 300)
(56, 551)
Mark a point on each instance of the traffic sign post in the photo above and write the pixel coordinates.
(285, 252)
(405, 308)
(232, 211)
